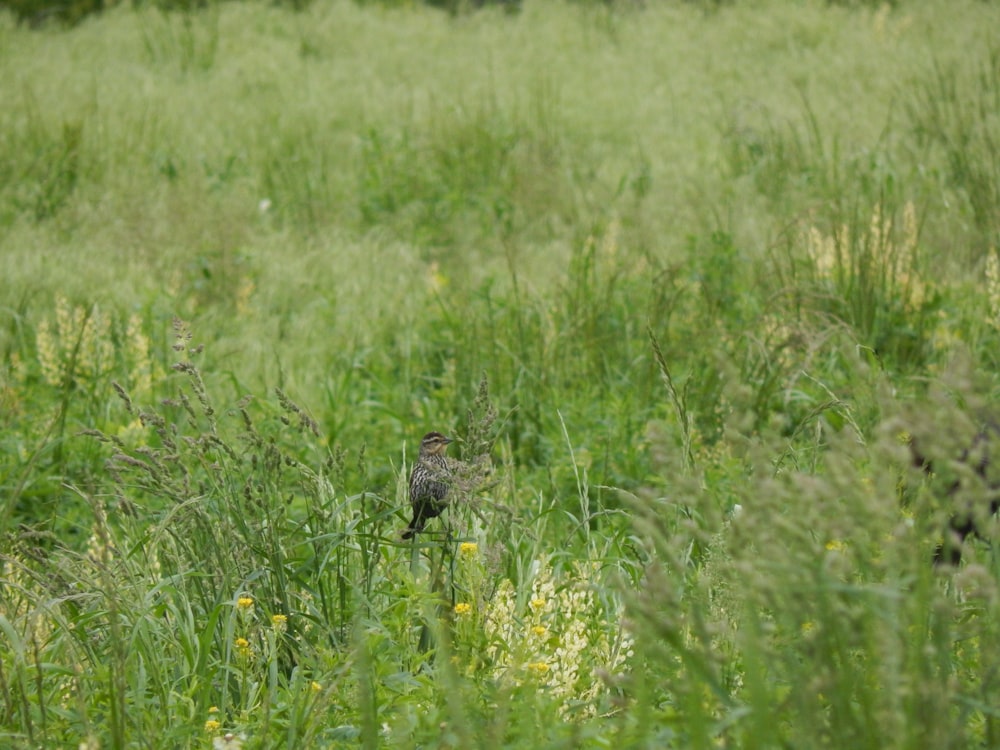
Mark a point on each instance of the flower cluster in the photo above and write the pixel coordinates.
(84, 344)
(253, 649)
(560, 638)
(885, 250)
(78, 348)
(471, 585)
(245, 613)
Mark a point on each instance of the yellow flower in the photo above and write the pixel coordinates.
(468, 549)
(242, 646)
(212, 725)
(540, 631)
(835, 545)
(279, 622)
(463, 608)
(244, 602)
(316, 687)
(213, 710)
(538, 667)
(537, 604)
(436, 281)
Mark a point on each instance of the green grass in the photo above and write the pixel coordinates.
(692, 276)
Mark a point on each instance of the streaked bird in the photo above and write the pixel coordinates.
(430, 482)
(966, 482)
(974, 493)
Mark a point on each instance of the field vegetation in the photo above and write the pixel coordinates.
(690, 282)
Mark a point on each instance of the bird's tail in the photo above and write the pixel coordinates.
(417, 524)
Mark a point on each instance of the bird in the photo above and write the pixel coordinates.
(985, 493)
(977, 483)
(430, 481)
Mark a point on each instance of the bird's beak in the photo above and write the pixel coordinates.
(449, 440)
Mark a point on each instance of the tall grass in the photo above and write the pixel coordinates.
(691, 285)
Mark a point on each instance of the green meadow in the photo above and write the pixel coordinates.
(690, 283)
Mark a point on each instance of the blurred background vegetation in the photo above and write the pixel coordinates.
(712, 265)
(528, 196)
(42, 11)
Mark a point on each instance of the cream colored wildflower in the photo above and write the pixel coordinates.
(228, 741)
(96, 350)
(141, 364)
(993, 287)
(49, 357)
(878, 227)
(570, 634)
(80, 347)
(910, 229)
(98, 549)
(823, 251)
(893, 258)
(18, 369)
(243, 294)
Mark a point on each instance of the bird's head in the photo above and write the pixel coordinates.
(434, 444)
